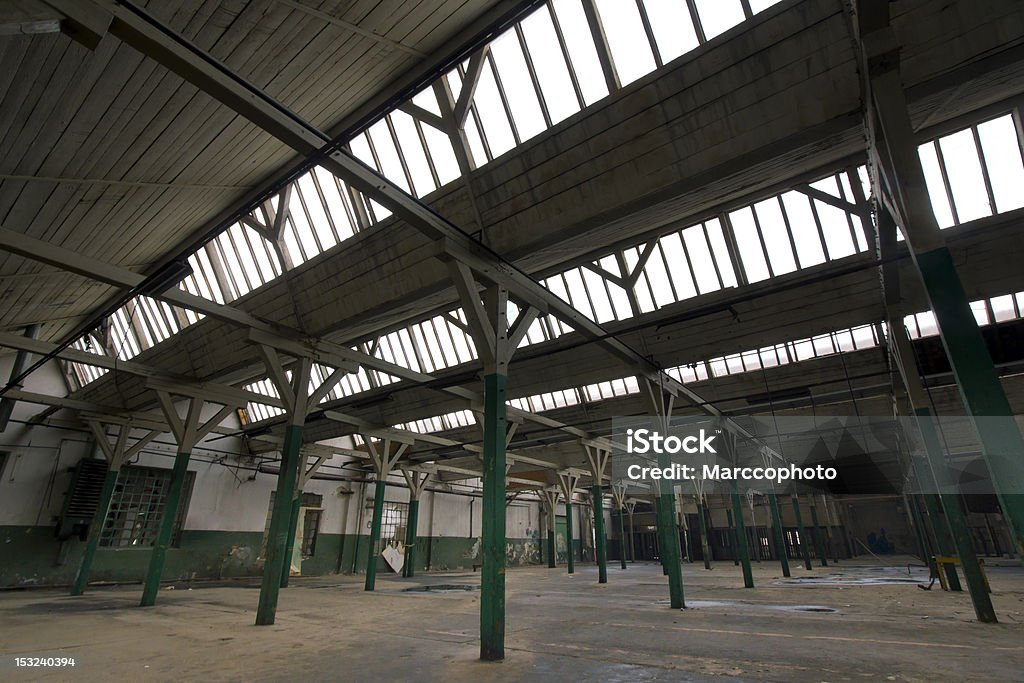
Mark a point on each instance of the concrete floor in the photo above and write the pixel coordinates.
(560, 627)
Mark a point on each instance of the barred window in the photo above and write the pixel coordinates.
(138, 505)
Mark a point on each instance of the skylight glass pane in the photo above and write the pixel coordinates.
(721, 250)
(678, 265)
(701, 260)
(760, 5)
(441, 153)
(1002, 308)
(619, 298)
(428, 100)
(980, 312)
(314, 205)
(245, 257)
(926, 324)
(776, 237)
(936, 189)
(644, 294)
(361, 150)
(627, 41)
(672, 27)
(656, 274)
(297, 218)
(488, 105)
(515, 79)
(836, 230)
(391, 166)
(549, 64)
(749, 245)
(573, 23)
(965, 180)
(577, 292)
(805, 231)
(602, 303)
(337, 203)
(476, 143)
(1003, 160)
(412, 150)
(718, 16)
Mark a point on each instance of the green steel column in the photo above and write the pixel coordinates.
(819, 542)
(732, 539)
(955, 518)
(778, 534)
(551, 518)
(289, 549)
(492, 579)
(597, 496)
(374, 548)
(670, 556)
(705, 547)
(741, 539)
(409, 567)
(890, 128)
(163, 539)
(95, 530)
(980, 387)
(569, 556)
(670, 551)
(622, 538)
(279, 520)
(805, 549)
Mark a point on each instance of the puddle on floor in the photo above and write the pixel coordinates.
(442, 588)
(751, 606)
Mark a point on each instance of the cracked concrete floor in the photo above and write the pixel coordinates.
(559, 627)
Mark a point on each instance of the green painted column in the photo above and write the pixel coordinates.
(663, 537)
(743, 549)
(163, 539)
(705, 547)
(289, 550)
(492, 578)
(732, 539)
(955, 518)
(622, 538)
(980, 386)
(819, 541)
(670, 550)
(409, 567)
(95, 530)
(570, 556)
(597, 496)
(805, 549)
(277, 537)
(778, 534)
(552, 559)
(374, 547)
